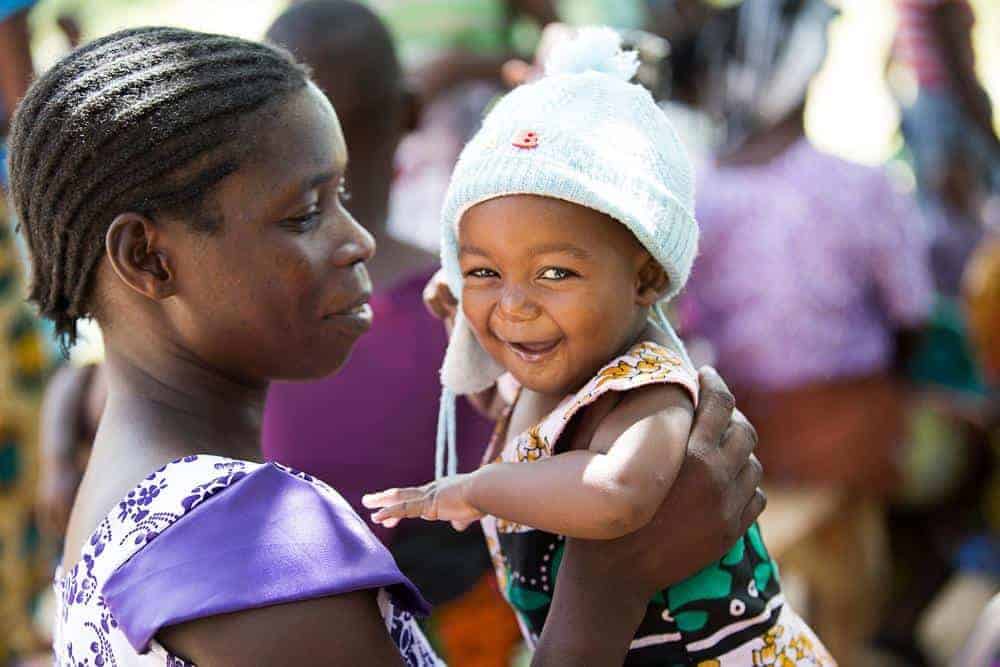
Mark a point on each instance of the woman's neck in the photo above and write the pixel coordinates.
(162, 405)
(171, 400)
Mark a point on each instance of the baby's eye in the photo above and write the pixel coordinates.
(482, 273)
(555, 273)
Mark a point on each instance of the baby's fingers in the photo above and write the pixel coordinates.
(390, 497)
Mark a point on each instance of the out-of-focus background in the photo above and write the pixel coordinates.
(848, 288)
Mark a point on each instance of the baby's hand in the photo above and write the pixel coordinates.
(443, 500)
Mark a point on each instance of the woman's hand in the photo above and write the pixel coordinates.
(604, 586)
(443, 500)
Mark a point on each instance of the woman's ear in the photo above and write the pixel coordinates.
(133, 247)
(652, 282)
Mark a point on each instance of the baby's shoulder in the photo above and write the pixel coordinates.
(645, 366)
(667, 407)
(649, 381)
(649, 400)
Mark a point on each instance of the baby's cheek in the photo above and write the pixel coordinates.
(585, 318)
(476, 309)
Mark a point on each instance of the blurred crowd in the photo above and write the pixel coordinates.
(860, 304)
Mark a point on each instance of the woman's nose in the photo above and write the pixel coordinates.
(354, 246)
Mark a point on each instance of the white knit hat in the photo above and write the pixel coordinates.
(586, 135)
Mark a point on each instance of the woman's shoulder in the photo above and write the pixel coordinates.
(207, 535)
(148, 510)
(155, 503)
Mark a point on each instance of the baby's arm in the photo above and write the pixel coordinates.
(602, 493)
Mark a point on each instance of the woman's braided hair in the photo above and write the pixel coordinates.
(145, 120)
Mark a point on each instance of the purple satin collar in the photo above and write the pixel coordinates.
(268, 539)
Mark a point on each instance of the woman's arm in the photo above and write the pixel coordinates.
(338, 630)
(603, 586)
(579, 493)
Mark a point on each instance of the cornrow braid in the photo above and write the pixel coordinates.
(145, 120)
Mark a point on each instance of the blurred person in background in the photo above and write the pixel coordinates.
(16, 68)
(961, 626)
(811, 283)
(23, 368)
(354, 62)
(71, 412)
(838, 260)
(943, 538)
(452, 54)
(948, 129)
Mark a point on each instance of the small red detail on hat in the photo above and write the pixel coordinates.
(525, 139)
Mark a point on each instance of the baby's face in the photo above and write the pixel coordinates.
(552, 290)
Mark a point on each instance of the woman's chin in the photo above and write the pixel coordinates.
(319, 366)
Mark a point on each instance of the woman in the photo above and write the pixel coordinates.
(185, 190)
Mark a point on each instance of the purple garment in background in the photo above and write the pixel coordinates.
(269, 538)
(807, 266)
(373, 425)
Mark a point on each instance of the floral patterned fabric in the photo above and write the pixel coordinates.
(87, 630)
(730, 613)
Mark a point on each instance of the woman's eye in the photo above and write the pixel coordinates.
(482, 273)
(305, 222)
(554, 273)
(343, 191)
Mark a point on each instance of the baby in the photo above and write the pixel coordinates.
(568, 221)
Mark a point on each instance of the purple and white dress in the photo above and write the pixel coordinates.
(206, 535)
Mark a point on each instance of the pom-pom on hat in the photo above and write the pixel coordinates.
(586, 135)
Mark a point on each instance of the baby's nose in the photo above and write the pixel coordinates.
(515, 306)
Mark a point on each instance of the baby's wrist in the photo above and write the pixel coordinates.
(469, 488)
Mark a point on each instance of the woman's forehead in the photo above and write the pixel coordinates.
(293, 149)
(304, 131)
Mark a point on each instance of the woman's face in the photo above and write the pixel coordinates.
(281, 290)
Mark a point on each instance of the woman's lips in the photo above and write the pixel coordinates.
(358, 317)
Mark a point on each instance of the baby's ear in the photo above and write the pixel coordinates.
(652, 282)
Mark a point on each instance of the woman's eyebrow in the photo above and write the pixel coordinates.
(319, 179)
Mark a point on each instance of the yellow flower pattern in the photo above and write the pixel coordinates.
(650, 362)
(783, 649)
(533, 446)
